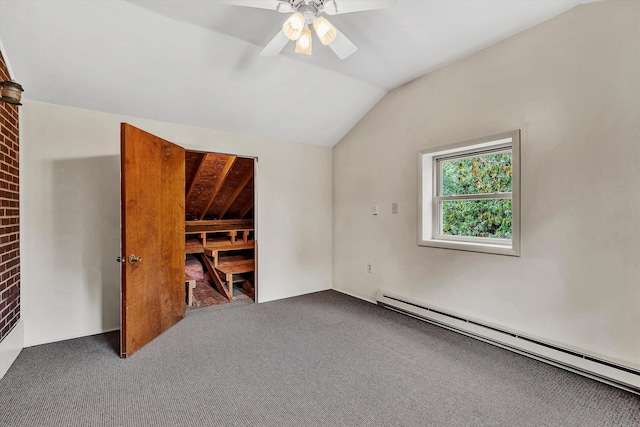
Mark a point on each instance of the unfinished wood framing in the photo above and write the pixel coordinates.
(221, 186)
(247, 207)
(220, 286)
(236, 192)
(190, 284)
(196, 177)
(218, 185)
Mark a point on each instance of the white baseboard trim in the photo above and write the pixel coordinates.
(10, 347)
(69, 337)
(356, 296)
(611, 372)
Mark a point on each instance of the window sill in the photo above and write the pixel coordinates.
(471, 247)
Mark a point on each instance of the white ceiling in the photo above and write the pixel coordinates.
(197, 62)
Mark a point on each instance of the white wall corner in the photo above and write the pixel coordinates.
(10, 347)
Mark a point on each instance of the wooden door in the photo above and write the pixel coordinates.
(153, 289)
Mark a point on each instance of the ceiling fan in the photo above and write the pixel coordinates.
(309, 12)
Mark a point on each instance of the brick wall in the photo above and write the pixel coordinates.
(9, 214)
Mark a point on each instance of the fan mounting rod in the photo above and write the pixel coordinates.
(310, 12)
(313, 8)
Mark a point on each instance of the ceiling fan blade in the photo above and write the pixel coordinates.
(278, 5)
(335, 7)
(275, 46)
(342, 46)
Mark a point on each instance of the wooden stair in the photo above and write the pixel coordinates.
(220, 244)
(228, 271)
(215, 248)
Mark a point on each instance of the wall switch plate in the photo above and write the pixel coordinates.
(394, 208)
(369, 268)
(374, 209)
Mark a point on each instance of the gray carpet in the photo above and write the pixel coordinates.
(324, 359)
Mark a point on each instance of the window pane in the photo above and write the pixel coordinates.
(476, 175)
(477, 218)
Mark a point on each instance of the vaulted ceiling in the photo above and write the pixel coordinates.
(196, 62)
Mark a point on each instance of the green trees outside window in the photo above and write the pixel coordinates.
(489, 177)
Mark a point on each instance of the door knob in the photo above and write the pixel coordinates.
(133, 259)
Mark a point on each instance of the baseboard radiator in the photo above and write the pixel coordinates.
(613, 373)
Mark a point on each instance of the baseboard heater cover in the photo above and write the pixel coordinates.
(612, 373)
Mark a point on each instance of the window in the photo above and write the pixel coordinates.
(470, 195)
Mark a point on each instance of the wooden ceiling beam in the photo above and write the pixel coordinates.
(245, 180)
(193, 182)
(246, 208)
(218, 185)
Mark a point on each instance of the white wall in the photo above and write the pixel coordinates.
(70, 215)
(571, 84)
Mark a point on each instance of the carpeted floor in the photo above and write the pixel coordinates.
(324, 359)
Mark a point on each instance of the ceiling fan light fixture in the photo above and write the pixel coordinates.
(303, 45)
(293, 26)
(325, 30)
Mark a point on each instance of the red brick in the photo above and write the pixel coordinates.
(9, 213)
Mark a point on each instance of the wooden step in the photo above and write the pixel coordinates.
(220, 245)
(193, 246)
(236, 266)
(218, 226)
(215, 248)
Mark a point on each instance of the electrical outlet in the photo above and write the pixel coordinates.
(374, 209)
(369, 268)
(394, 208)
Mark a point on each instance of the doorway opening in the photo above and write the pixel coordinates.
(220, 244)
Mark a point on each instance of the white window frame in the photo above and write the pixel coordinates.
(429, 223)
